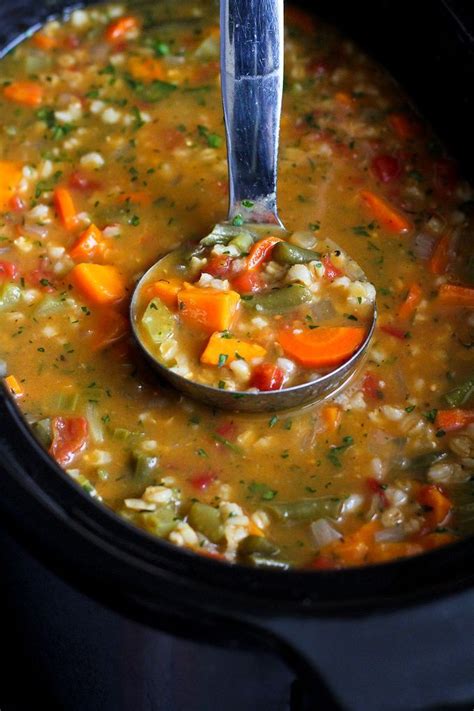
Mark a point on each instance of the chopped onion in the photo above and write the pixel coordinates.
(323, 310)
(423, 245)
(35, 230)
(95, 424)
(3, 368)
(394, 534)
(303, 239)
(324, 532)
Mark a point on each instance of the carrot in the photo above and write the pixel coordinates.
(431, 497)
(166, 290)
(44, 41)
(342, 97)
(10, 176)
(322, 347)
(88, 246)
(13, 385)
(138, 198)
(403, 126)
(210, 309)
(223, 350)
(111, 327)
(147, 68)
(412, 300)
(64, 205)
(261, 251)
(356, 547)
(28, 93)
(331, 416)
(99, 283)
(385, 213)
(255, 530)
(455, 419)
(121, 29)
(439, 260)
(454, 295)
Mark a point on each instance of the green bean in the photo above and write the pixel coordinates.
(279, 300)
(159, 523)
(306, 509)
(420, 463)
(461, 394)
(260, 561)
(144, 466)
(286, 253)
(42, 431)
(158, 321)
(207, 520)
(257, 545)
(243, 242)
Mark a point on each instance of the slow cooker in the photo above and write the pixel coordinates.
(98, 615)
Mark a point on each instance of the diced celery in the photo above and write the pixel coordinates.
(49, 305)
(10, 294)
(158, 321)
(160, 522)
(207, 520)
(42, 431)
(66, 402)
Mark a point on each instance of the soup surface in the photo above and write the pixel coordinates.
(112, 152)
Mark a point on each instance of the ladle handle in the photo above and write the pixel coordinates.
(252, 84)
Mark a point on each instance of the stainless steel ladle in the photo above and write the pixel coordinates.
(252, 84)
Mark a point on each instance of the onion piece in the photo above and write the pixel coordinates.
(324, 532)
(95, 424)
(394, 534)
(423, 245)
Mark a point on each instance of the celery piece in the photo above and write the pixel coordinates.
(10, 294)
(207, 520)
(49, 305)
(66, 402)
(460, 395)
(160, 522)
(42, 431)
(158, 321)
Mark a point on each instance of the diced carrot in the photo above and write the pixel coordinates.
(385, 213)
(147, 68)
(210, 309)
(44, 41)
(412, 300)
(28, 93)
(439, 260)
(331, 416)
(261, 251)
(99, 283)
(404, 127)
(437, 503)
(121, 29)
(89, 245)
(64, 205)
(138, 198)
(255, 530)
(10, 176)
(223, 350)
(13, 385)
(322, 347)
(355, 548)
(110, 328)
(342, 97)
(166, 290)
(454, 295)
(455, 419)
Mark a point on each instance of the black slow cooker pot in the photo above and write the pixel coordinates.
(94, 608)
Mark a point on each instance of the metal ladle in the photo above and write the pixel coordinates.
(252, 84)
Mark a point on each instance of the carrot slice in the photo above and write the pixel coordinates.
(44, 41)
(412, 300)
(223, 350)
(385, 213)
(28, 93)
(10, 176)
(261, 251)
(323, 347)
(166, 290)
(455, 419)
(99, 283)
(147, 68)
(437, 502)
(89, 245)
(121, 29)
(439, 260)
(13, 385)
(210, 309)
(64, 205)
(454, 295)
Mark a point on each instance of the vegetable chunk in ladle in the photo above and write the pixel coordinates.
(254, 317)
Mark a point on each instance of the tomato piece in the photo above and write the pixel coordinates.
(81, 181)
(219, 265)
(267, 376)
(371, 387)
(376, 488)
(69, 437)
(8, 271)
(227, 429)
(16, 203)
(385, 168)
(394, 331)
(261, 251)
(248, 282)
(203, 481)
(331, 272)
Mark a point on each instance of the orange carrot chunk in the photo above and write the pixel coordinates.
(89, 245)
(121, 29)
(147, 68)
(454, 295)
(166, 290)
(28, 93)
(412, 300)
(98, 283)
(210, 309)
(13, 385)
(44, 41)
(64, 205)
(438, 505)
(390, 218)
(439, 260)
(455, 419)
(323, 347)
(10, 176)
(223, 350)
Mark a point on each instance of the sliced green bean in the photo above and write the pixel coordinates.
(286, 253)
(279, 299)
(421, 462)
(461, 394)
(257, 545)
(144, 466)
(306, 509)
(207, 520)
(158, 321)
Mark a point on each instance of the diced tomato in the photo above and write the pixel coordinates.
(172, 138)
(42, 277)
(219, 265)
(8, 271)
(247, 282)
(376, 488)
(331, 272)
(81, 181)
(371, 387)
(394, 331)
(261, 251)
(203, 481)
(267, 376)
(385, 168)
(227, 429)
(69, 437)
(16, 203)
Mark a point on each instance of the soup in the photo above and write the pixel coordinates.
(112, 153)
